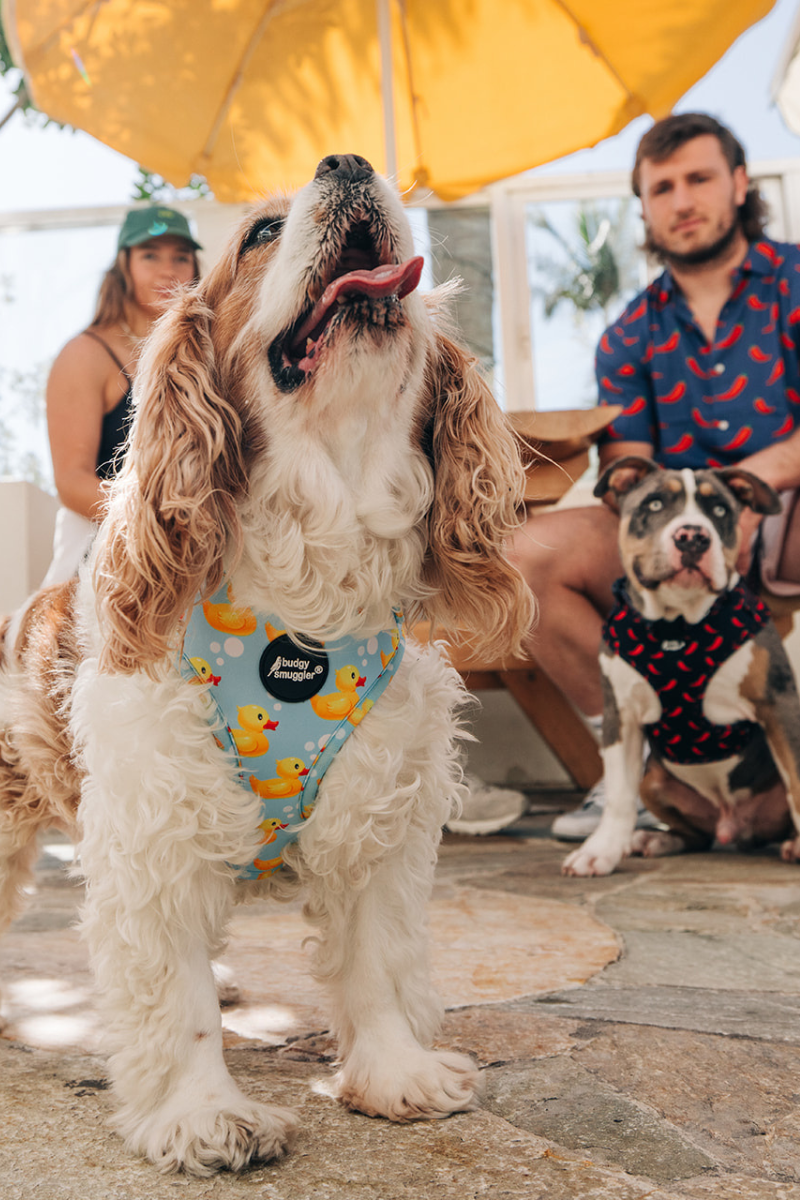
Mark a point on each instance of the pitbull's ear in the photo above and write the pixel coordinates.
(750, 490)
(621, 477)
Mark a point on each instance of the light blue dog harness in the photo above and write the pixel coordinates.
(286, 710)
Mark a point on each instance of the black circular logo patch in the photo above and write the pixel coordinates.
(293, 673)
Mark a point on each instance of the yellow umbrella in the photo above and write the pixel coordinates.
(449, 94)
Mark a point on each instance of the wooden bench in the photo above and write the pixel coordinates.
(543, 704)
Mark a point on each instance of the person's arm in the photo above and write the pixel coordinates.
(75, 409)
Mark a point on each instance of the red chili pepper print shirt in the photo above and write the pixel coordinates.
(701, 404)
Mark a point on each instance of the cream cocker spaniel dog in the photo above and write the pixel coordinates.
(313, 456)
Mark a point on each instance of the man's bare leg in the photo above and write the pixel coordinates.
(789, 565)
(570, 558)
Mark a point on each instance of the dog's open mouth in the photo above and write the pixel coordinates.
(358, 285)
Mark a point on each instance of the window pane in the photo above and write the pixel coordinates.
(584, 265)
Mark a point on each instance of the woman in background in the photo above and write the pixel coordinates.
(90, 383)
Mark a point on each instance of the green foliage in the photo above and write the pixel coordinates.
(155, 190)
(595, 264)
(15, 80)
(22, 410)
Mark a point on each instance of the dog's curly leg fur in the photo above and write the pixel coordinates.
(372, 853)
(158, 895)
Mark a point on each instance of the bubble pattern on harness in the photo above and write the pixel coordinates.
(286, 708)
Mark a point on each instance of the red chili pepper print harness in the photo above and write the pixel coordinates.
(678, 659)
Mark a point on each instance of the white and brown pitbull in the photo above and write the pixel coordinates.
(691, 660)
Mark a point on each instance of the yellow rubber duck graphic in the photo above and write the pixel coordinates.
(290, 770)
(387, 658)
(267, 865)
(270, 827)
(251, 741)
(203, 672)
(227, 618)
(344, 701)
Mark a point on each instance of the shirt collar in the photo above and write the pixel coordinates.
(755, 262)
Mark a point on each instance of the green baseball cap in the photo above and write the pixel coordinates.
(143, 224)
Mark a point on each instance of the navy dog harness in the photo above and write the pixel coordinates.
(678, 660)
(285, 709)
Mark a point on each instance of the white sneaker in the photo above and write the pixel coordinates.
(487, 809)
(576, 825)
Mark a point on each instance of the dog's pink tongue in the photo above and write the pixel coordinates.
(391, 279)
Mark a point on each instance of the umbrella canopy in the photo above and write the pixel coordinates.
(786, 82)
(252, 93)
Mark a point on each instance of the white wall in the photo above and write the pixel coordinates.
(27, 517)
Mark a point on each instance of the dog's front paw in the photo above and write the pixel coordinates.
(208, 1139)
(790, 850)
(419, 1085)
(656, 843)
(594, 857)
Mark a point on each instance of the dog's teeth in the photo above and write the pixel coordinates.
(309, 345)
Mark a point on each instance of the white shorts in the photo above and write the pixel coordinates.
(72, 540)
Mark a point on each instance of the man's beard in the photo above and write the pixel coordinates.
(702, 255)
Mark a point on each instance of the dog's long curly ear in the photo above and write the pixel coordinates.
(172, 515)
(478, 491)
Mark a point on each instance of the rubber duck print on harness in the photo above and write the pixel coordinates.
(678, 659)
(285, 710)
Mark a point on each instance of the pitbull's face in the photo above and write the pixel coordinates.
(679, 530)
(679, 538)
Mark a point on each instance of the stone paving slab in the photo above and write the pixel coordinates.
(68, 1153)
(750, 1014)
(639, 1037)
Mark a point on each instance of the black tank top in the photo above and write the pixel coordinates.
(116, 423)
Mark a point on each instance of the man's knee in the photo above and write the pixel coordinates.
(566, 545)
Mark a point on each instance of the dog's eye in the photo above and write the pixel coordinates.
(719, 510)
(655, 505)
(263, 233)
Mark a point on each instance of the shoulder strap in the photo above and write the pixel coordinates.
(90, 333)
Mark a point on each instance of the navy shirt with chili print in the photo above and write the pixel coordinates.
(701, 404)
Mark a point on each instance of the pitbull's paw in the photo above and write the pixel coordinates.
(653, 843)
(596, 856)
(790, 850)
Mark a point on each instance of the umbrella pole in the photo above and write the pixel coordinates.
(387, 90)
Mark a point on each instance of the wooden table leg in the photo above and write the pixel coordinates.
(557, 722)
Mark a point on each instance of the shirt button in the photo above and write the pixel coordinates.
(723, 425)
(718, 368)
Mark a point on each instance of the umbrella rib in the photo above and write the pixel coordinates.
(271, 10)
(589, 41)
(401, 4)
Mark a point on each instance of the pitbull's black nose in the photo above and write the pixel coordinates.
(346, 166)
(692, 541)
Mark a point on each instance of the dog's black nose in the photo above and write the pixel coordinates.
(348, 166)
(692, 541)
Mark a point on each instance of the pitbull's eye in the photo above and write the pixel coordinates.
(719, 510)
(655, 505)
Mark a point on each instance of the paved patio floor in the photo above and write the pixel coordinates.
(639, 1037)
